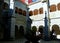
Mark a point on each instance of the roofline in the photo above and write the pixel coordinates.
(33, 3)
(36, 2)
(23, 3)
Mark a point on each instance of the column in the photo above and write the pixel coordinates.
(12, 33)
(47, 22)
(46, 28)
(28, 22)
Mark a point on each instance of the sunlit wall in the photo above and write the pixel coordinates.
(39, 18)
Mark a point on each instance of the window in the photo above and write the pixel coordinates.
(58, 6)
(21, 30)
(24, 12)
(20, 11)
(30, 13)
(16, 10)
(52, 8)
(41, 11)
(35, 12)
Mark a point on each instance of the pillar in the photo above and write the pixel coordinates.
(28, 22)
(12, 33)
(46, 28)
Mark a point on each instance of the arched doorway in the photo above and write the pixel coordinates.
(55, 27)
(58, 6)
(41, 29)
(21, 31)
(34, 28)
(16, 31)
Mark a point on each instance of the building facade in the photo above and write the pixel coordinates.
(20, 18)
(18, 22)
(37, 14)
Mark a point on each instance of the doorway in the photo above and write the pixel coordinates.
(21, 31)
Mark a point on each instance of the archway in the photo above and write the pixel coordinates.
(55, 27)
(58, 6)
(21, 31)
(41, 29)
(16, 31)
(34, 28)
(53, 8)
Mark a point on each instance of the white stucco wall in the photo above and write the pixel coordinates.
(38, 17)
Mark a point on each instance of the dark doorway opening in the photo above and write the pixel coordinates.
(21, 31)
(16, 31)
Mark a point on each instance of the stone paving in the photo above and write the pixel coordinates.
(23, 41)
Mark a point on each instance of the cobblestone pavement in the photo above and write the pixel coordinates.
(23, 41)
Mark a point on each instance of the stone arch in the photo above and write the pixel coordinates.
(58, 6)
(53, 8)
(55, 27)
